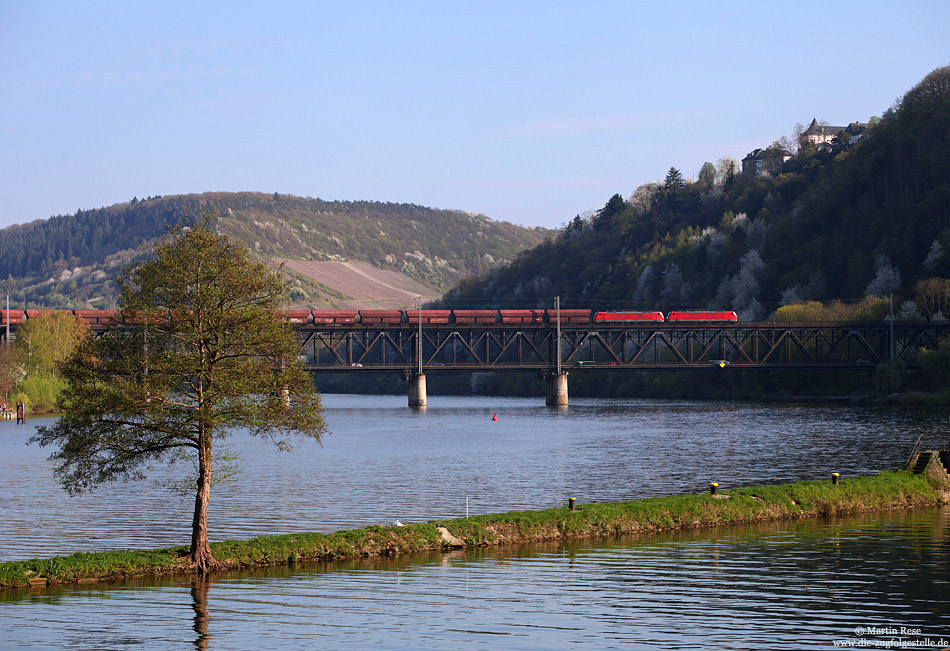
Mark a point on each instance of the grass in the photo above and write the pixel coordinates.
(886, 490)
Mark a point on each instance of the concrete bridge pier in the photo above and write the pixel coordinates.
(417, 390)
(556, 390)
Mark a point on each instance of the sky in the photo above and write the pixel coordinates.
(527, 112)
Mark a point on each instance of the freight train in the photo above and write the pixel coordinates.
(500, 317)
(458, 317)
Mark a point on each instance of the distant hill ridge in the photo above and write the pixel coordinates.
(70, 261)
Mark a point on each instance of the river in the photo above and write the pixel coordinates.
(785, 585)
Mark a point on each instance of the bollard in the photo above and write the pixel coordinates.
(834, 478)
(572, 503)
(713, 487)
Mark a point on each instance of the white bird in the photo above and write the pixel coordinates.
(397, 523)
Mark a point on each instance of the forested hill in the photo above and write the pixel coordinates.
(855, 220)
(69, 261)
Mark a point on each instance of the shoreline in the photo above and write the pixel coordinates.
(889, 490)
(864, 399)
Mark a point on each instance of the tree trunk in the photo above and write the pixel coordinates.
(200, 549)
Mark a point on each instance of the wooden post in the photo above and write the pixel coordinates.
(21, 413)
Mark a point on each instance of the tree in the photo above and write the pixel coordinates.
(934, 256)
(931, 296)
(199, 350)
(12, 368)
(740, 292)
(643, 294)
(726, 169)
(611, 210)
(674, 183)
(643, 198)
(886, 281)
(707, 175)
(46, 340)
(774, 157)
(675, 290)
(936, 364)
(574, 227)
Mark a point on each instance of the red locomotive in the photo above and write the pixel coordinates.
(629, 316)
(702, 316)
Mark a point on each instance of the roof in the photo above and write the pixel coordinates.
(767, 153)
(814, 127)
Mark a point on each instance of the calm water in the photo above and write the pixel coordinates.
(383, 460)
(781, 586)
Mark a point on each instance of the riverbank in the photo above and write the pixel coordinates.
(812, 499)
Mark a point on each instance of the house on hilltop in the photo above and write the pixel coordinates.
(764, 161)
(823, 135)
(760, 162)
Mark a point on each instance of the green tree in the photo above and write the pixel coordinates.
(199, 350)
(43, 342)
(574, 227)
(936, 364)
(674, 183)
(611, 210)
(774, 157)
(707, 175)
(12, 369)
(889, 376)
(46, 340)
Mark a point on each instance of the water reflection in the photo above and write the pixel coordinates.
(787, 585)
(199, 596)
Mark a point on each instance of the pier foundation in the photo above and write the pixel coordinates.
(417, 390)
(556, 390)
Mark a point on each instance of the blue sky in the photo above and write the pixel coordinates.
(527, 112)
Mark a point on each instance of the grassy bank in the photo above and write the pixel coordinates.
(887, 490)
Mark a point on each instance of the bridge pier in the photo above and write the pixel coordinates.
(556, 390)
(417, 390)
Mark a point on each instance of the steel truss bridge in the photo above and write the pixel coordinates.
(595, 346)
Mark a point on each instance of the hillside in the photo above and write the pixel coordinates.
(850, 221)
(71, 261)
(356, 285)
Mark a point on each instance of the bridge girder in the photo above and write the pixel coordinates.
(497, 347)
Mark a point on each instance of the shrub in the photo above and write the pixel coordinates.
(41, 392)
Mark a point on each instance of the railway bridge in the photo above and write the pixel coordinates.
(555, 351)
(415, 343)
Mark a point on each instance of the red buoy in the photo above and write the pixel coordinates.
(494, 415)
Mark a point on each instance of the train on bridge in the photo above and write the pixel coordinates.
(501, 317)
(92, 317)
(398, 318)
